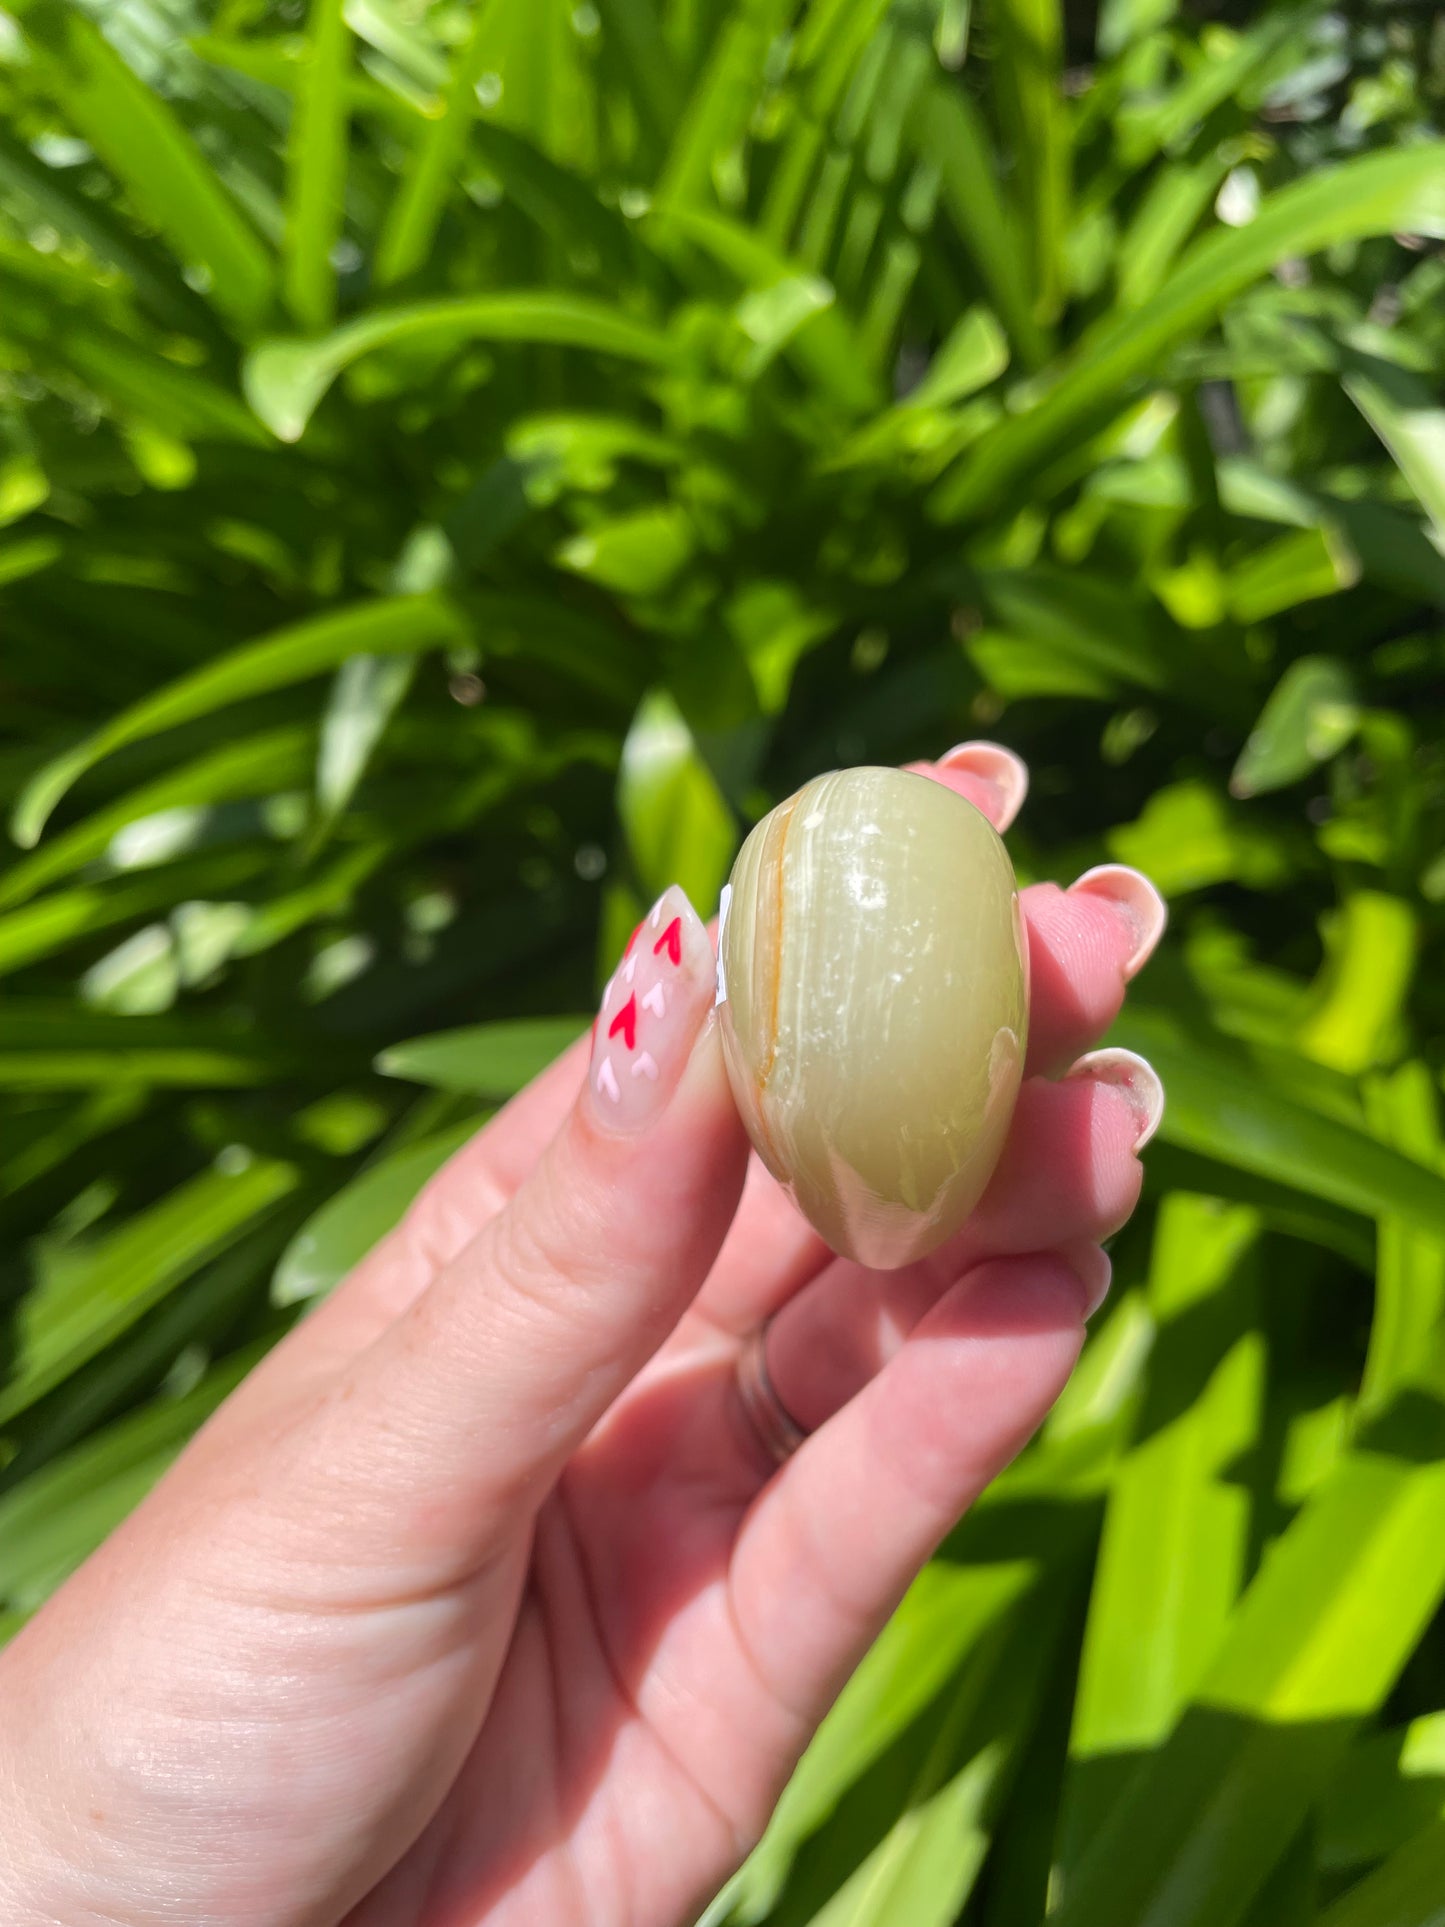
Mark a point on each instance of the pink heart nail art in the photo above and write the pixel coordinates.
(653, 1007)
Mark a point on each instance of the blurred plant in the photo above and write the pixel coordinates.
(458, 466)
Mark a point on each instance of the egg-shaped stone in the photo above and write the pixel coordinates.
(873, 999)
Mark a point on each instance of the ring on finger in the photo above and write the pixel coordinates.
(778, 1431)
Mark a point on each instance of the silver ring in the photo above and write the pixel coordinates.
(779, 1431)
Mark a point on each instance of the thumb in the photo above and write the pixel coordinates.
(464, 1412)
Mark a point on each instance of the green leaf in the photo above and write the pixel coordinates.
(655, 84)
(59, 1515)
(46, 1046)
(1410, 1278)
(363, 700)
(787, 308)
(1370, 948)
(416, 208)
(1406, 1891)
(1403, 413)
(1296, 568)
(316, 168)
(1312, 712)
(633, 555)
(1175, 1545)
(678, 826)
(1190, 838)
(87, 1295)
(56, 199)
(1399, 190)
(260, 765)
(1316, 1644)
(1174, 202)
(71, 916)
(712, 124)
(927, 1864)
(339, 1235)
(490, 1060)
(1390, 1787)
(1084, 619)
(145, 147)
(1028, 78)
(1221, 1104)
(949, 1614)
(285, 380)
(403, 625)
(950, 132)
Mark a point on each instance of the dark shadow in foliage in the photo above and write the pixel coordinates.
(18, 1275)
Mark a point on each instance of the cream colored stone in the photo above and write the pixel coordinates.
(876, 1006)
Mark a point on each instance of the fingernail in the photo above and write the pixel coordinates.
(1095, 1269)
(651, 1011)
(1135, 897)
(1007, 776)
(1136, 1077)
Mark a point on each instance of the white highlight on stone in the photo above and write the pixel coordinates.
(724, 904)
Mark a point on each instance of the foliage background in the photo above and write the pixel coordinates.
(458, 466)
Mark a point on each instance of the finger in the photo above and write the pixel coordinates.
(991, 777)
(1086, 945)
(473, 1185)
(770, 1252)
(834, 1540)
(526, 1337)
(1069, 1177)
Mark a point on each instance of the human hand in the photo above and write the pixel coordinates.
(482, 1600)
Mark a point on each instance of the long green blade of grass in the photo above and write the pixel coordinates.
(1383, 193)
(260, 765)
(1029, 79)
(1317, 1643)
(1176, 1532)
(340, 1234)
(1407, 1890)
(147, 148)
(416, 208)
(87, 1296)
(949, 130)
(316, 169)
(1223, 1107)
(286, 379)
(400, 626)
(61, 1513)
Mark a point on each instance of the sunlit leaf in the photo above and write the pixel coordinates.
(85, 1295)
(1378, 194)
(317, 168)
(1311, 714)
(139, 138)
(285, 380)
(491, 1060)
(1221, 1105)
(401, 626)
(678, 827)
(341, 1233)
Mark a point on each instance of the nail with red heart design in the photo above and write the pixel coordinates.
(655, 1003)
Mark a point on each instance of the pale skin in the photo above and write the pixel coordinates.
(480, 1601)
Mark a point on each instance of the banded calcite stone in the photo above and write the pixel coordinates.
(873, 999)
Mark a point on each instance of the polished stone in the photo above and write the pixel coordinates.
(875, 1006)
